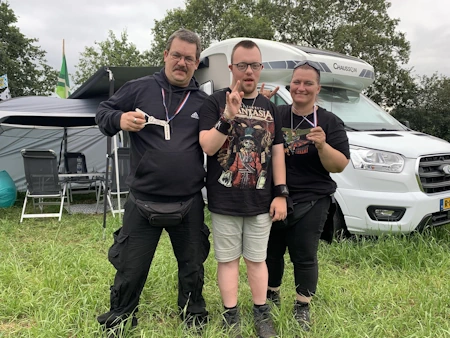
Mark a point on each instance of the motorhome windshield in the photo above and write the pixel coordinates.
(356, 110)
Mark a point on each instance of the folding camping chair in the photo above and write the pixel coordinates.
(123, 169)
(41, 173)
(75, 163)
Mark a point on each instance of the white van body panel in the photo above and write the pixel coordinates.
(425, 158)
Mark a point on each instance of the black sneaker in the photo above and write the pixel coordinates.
(274, 297)
(301, 314)
(231, 322)
(263, 322)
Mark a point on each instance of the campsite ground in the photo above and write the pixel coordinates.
(55, 277)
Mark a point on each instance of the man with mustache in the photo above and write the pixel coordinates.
(161, 113)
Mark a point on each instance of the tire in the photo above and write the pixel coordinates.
(340, 228)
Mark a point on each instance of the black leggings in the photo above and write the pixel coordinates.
(302, 240)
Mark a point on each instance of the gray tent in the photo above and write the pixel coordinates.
(48, 123)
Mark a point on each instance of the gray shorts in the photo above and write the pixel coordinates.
(236, 235)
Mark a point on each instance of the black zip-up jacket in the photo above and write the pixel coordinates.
(159, 167)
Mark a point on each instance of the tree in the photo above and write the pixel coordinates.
(112, 52)
(23, 62)
(212, 20)
(359, 28)
(428, 109)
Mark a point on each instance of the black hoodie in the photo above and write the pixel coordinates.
(159, 167)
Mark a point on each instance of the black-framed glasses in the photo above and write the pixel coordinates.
(312, 64)
(242, 66)
(187, 59)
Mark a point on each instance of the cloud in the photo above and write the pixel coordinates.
(426, 26)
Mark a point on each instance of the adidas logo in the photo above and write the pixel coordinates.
(195, 116)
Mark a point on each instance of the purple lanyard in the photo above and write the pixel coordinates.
(163, 93)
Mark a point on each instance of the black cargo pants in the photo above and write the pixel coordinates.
(132, 254)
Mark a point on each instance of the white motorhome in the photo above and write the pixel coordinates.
(398, 180)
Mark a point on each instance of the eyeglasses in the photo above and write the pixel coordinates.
(187, 59)
(312, 64)
(242, 66)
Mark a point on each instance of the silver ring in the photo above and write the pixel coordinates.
(134, 121)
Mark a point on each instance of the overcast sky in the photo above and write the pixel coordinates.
(82, 22)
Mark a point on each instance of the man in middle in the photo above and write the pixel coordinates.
(241, 134)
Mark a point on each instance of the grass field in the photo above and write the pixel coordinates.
(55, 278)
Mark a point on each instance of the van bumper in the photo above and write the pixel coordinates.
(421, 211)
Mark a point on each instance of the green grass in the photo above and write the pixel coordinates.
(55, 278)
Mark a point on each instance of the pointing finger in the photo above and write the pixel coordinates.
(236, 86)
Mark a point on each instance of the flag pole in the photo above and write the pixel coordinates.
(63, 86)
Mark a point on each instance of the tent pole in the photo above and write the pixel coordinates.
(63, 145)
(108, 154)
(105, 191)
(116, 165)
(65, 140)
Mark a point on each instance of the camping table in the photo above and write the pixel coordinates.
(99, 176)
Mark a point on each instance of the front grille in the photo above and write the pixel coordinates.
(435, 219)
(431, 175)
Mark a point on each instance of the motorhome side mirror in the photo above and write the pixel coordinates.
(204, 63)
(406, 123)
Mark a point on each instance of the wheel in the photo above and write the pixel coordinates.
(340, 228)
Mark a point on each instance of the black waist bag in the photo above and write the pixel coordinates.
(295, 212)
(163, 214)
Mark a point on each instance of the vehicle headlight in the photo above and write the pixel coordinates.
(375, 160)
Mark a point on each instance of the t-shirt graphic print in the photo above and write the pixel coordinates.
(247, 151)
(295, 142)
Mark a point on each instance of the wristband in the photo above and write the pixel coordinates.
(223, 126)
(281, 190)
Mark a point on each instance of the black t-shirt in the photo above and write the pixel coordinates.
(239, 175)
(306, 177)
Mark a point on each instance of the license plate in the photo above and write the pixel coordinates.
(445, 204)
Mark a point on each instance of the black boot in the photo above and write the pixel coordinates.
(115, 326)
(232, 322)
(195, 322)
(301, 314)
(263, 322)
